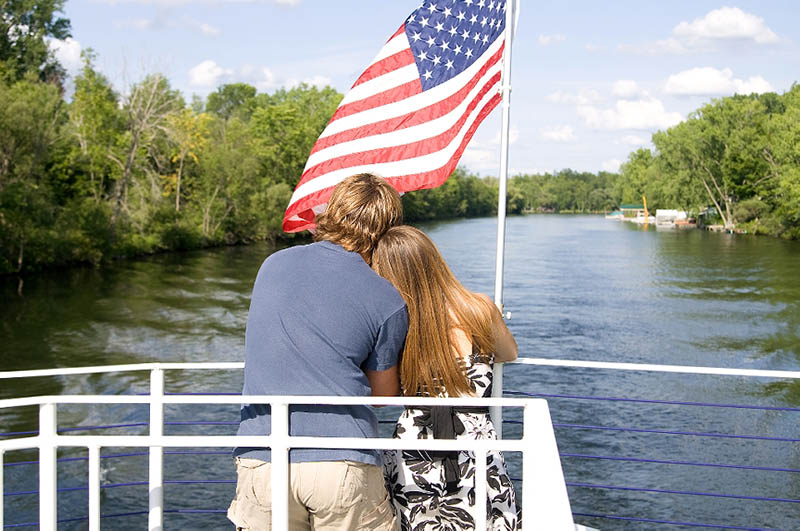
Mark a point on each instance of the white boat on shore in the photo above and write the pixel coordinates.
(669, 218)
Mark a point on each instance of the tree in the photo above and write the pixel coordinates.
(188, 133)
(96, 123)
(287, 126)
(26, 26)
(30, 116)
(232, 99)
(148, 108)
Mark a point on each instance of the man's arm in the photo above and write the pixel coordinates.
(384, 383)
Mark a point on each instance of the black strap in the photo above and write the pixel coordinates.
(443, 421)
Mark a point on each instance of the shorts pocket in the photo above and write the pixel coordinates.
(251, 507)
(381, 518)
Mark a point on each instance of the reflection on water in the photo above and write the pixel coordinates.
(578, 287)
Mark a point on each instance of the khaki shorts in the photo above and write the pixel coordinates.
(325, 495)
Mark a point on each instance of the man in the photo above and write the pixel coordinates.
(322, 322)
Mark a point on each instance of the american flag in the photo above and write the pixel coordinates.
(413, 111)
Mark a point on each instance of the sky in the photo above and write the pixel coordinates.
(591, 81)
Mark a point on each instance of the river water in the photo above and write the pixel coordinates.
(578, 287)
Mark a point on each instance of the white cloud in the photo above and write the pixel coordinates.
(708, 81)
(315, 81)
(478, 158)
(727, 23)
(209, 30)
(530, 171)
(141, 24)
(260, 77)
(592, 48)
(611, 165)
(705, 34)
(583, 97)
(562, 133)
(665, 46)
(208, 74)
(644, 113)
(170, 23)
(513, 136)
(547, 40)
(68, 53)
(633, 140)
(625, 88)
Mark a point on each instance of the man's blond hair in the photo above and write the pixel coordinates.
(362, 208)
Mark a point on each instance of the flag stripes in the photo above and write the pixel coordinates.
(388, 125)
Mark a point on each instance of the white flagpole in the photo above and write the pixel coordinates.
(512, 8)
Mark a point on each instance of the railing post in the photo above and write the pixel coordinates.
(94, 488)
(48, 478)
(545, 503)
(496, 412)
(2, 466)
(280, 465)
(155, 520)
(480, 489)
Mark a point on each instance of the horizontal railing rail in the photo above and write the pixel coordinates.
(544, 362)
(156, 441)
(544, 495)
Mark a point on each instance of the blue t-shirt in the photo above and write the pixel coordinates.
(319, 317)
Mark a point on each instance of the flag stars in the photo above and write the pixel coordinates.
(446, 43)
(412, 18)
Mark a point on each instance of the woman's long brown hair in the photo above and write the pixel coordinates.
(437, 303)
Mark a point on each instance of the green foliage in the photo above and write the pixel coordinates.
(25, 26)
(233, 99)
(111, 174)
(563, 191)
(738, 155)
(462, 195)
(285, 127)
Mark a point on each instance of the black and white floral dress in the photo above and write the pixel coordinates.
(417, 483)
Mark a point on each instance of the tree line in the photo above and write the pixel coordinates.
(737, 158)
(101, 173)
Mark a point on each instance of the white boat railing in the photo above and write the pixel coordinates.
(544, 492)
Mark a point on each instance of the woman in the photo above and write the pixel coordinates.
(454, 336)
